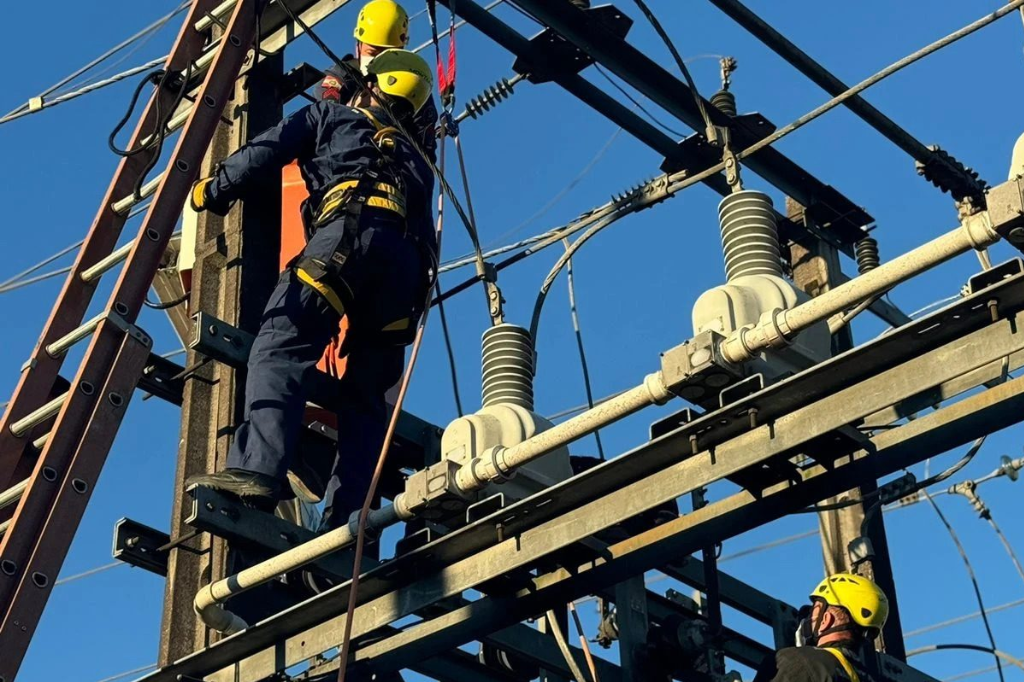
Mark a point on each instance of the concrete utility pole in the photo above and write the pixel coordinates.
(235, 270)
(815, 268)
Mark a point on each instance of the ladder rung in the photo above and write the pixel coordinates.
(21, 427)
(40, 443)
(61, 345)
(217, 12)
(122, 206)
(13, 494)
(3, 527)
(105, 264)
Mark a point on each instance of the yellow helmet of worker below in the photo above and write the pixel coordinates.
(382, 23)
(403, 74)
(862, 598)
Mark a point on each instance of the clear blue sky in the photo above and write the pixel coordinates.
(636, 282)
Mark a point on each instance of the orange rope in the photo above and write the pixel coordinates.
(346, 641)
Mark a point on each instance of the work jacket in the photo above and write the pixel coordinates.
(808, 664)
(338, 86)
(333, 143)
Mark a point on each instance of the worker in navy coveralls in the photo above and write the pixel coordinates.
(371, 248)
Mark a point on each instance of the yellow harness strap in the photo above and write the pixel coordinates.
(845, 662)
(386, 196)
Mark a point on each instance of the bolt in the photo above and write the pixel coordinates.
(209, 506)
(213, 329)
(131, 543)
(1016, 236)
(993, 308)
(694, 449)
(752, 413)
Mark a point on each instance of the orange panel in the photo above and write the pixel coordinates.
(293, 238)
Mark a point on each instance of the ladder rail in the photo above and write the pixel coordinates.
(69, 310)
(39, 534)
(40, 572)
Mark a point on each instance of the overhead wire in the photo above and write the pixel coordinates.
(635, 102)
(574, 312)
(126, 673)
(962, 619)
(90, 572)
(151, 28)
(676, 182)
(999, 655)
(680, 62)
(974, 583)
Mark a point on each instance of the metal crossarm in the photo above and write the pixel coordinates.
(59, 481)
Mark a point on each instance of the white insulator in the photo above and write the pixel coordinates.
(750, 238)
(508, 366)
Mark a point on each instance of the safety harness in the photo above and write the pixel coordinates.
(377, 188)
(851, 672)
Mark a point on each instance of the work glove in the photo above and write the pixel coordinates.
(198, 198)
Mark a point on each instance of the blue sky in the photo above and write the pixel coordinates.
(635, 283)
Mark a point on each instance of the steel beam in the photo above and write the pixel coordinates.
(889, 452)
(792, 413)
(830, 208)
(962, 181)
(532, 58)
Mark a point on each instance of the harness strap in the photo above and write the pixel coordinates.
(844, 662)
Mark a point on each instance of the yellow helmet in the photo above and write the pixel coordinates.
(403, 74)
(382, 23)
(862, 598)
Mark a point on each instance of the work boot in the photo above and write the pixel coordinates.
(256, 490)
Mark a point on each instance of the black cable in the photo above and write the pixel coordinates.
(918, 487)
(972, 576)
(679, 59)
(165, 306)
(579, 343)
(161, 130)
(451, 353)
(160, 75)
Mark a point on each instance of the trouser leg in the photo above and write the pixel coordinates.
(296, 327)
(362, 424)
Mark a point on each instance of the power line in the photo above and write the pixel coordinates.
(962, 619)
(1000, 655)
(583, 355)
(155, 26)
(974, 583)
(625, 93)
(90, 572)
(126, 673)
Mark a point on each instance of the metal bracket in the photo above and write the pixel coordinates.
(219, 340)
(987, 278)
(139, 545)
(554, 56)
(161, 378)
(232, 520)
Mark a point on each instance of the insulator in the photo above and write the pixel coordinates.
(508, 366)
(750, 237)
(724, 101)
(491, 97)
(866, 250)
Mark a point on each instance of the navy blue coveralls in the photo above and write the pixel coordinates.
(380, 282)
(338, 86)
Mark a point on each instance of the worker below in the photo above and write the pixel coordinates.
(370, 253)
(381, 25)
(847, 612)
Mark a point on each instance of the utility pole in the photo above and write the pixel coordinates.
(815, 266)
(235, 271)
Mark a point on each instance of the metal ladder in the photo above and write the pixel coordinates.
(50, 472)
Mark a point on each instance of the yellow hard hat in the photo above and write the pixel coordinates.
(862, 598)
(403, 74)
(382, 23)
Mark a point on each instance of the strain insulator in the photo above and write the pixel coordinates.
(491, 97)
(866, 250)
(724, 101)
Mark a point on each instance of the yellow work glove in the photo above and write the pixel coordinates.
(198, 196)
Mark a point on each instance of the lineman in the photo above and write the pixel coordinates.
(369, 254)
(846, 611)
(381, 24)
